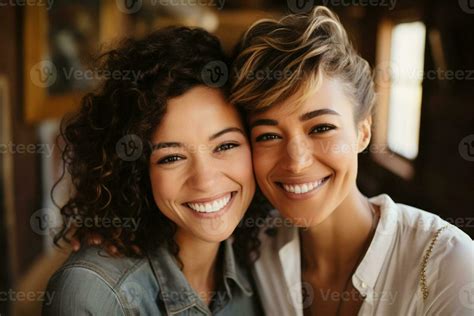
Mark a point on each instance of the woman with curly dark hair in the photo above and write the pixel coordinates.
(162, 169)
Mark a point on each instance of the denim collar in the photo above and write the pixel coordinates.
(176, 293)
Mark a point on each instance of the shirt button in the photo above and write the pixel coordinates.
(363, 285)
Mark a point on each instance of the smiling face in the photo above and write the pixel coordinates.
(201, 169)
(305, 156)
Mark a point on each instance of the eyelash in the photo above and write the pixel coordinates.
(266, 137)
(319, 129)
(169, 159)
(226, 146)
(174, 158)
(323, 128)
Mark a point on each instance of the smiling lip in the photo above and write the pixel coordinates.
(211, 199)
(302, 190)
(211, 207)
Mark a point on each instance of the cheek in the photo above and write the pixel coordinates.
(261, 164)
(241, 167)
(339, 153)
(161, 189)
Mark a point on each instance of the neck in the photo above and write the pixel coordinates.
(199, 260)
(334, 246)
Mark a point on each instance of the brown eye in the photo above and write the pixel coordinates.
(169, 159)
(226, 146)
(266, 137)
(323, 128)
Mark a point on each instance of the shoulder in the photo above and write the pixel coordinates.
(90, 281)
(413, 225)
(424, 225)
(440, 252)
(96, 260)
(418, 228)
(449, 273)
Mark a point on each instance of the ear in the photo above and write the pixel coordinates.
(364, 129)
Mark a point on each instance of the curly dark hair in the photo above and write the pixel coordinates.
(167, 63)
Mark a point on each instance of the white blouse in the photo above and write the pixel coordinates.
(390, 274)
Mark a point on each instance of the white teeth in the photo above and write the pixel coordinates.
(211, 207)
(303, 188)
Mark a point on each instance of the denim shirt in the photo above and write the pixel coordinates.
(92, 283)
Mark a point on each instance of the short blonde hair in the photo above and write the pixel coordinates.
(293, 53)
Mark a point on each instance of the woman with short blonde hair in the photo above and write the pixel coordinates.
(309, 99)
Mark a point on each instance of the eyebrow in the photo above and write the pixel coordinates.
(263, 122)
(225, 131)
(304, 117)
(313, 114)
(212, 137)
(166, 145)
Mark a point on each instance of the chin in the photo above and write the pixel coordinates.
(215, 229)
(214, 238)
(304, 215)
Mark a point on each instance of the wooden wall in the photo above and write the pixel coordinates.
(25, 166)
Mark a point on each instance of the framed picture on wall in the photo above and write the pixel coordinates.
(59, 43)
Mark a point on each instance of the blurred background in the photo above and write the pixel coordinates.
(422, 152)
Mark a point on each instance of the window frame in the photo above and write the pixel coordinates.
(387, 158)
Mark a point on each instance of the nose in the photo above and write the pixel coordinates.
(299, 154)
(203, 175)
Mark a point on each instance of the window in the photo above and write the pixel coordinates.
(399, 78)
(406, 57)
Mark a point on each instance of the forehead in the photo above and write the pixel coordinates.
(329, 94)
(199, 111)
